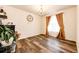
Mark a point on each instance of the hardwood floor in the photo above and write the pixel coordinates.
(41, 44)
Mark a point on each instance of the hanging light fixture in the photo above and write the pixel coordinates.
(41, 10)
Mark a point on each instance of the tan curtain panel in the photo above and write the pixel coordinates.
(47, 23)
(61, 34)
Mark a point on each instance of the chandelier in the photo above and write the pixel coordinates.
(41, 10)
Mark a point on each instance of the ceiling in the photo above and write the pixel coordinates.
(47, 9)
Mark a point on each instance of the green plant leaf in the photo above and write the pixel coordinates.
(6, 33)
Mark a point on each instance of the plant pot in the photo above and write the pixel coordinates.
(4, 43)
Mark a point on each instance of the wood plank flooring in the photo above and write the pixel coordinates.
(41, 44)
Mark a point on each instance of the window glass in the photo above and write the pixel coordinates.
(53, 25)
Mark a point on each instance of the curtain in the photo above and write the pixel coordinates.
(47, 23)
(61, 34)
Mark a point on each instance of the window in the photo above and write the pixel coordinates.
(53, 25)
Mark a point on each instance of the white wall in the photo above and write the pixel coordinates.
(43, 25)
(70, 23)
(77, 22)
(18, 17)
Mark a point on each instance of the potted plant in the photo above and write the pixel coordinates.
(7, 36)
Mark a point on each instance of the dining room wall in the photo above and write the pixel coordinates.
(18, 17)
